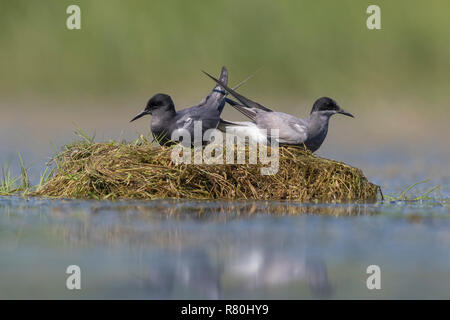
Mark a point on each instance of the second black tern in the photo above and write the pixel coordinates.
(310, 132)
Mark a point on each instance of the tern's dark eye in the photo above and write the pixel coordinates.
(328, 107)
(333, 106)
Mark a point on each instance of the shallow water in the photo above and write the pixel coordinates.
(241, 249)
(187, 249)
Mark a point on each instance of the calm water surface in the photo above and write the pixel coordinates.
(186, 249)
(243, 249)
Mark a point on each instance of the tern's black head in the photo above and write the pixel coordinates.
(158, 101)
(328, 106)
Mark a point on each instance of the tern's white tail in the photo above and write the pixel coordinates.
(244, 129)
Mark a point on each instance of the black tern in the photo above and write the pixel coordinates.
(165, 120)
(310, 132)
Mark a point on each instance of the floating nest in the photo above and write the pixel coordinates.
(113, 170)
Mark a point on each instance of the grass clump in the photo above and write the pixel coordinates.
(13, 185)
(8, 183)
(422, 197)
(112, 170)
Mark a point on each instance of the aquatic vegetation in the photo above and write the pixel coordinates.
(403, 196)
(141, 170)
(8, 183)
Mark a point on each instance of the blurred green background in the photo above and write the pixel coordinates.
(395, 80)
(302, 48)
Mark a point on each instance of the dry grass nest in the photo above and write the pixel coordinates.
(113, 170)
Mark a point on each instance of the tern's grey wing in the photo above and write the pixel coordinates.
(248, 112)
(214, 100)
(185, 119)
(247, 102)
(291, 130)
(184, 122)
(293, 134)
(208, 111)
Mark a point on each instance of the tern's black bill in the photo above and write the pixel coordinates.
(140, 115)
(345, 113)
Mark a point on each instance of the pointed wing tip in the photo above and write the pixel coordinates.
(224, 75)
(208, 74)
(216, 80)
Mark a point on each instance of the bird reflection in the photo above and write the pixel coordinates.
(248, 272)
(204, 250)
